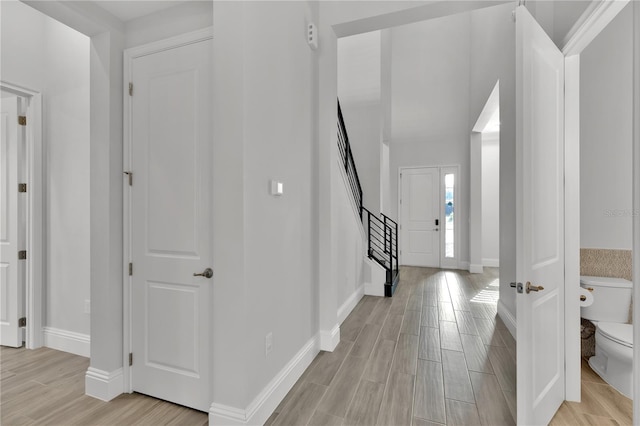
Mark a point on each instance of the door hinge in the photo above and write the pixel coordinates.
(22, 255)
(130, 268)
(130, 359)
(22, 322)
(130, 89)
(22, 120)
(130, 176)
(22, 187)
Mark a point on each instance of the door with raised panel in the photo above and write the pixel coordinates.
(11, 299)
(539, 222)
(171, 240)
(419, 211)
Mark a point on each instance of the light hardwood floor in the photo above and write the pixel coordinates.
(601, 404)
(46, 387)
(435, 353)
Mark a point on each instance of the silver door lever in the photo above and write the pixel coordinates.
(207, 273)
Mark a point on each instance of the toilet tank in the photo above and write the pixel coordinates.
(611, 299)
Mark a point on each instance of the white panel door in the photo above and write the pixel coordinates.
(10, 268)
(420, 208)
(170, 224)
(539, 221)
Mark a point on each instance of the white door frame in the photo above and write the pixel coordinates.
(129, 55)
(34, 279)
(455, 262)
(594, 20)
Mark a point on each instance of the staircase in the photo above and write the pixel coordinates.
(382, 232)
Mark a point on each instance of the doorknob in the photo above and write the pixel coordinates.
(531, 288)
(207, 273)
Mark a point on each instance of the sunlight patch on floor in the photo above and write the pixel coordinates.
(489, 294)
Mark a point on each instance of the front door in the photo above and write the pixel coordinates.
(539, 221)
(170, 199)
(420, 216)
(11, 269)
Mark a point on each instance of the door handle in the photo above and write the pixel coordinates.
(207, 273)
(531, 288)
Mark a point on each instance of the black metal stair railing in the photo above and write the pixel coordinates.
(382, 232)
(346, 156)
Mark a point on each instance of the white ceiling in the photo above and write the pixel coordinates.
(128, 10)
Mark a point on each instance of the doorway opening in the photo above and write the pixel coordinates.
(484, 235)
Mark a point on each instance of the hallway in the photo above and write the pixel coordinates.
(435, 353)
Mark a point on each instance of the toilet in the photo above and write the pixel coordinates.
(609, 312)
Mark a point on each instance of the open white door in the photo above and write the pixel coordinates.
(10, 268)
(171, 240)
(539, 223)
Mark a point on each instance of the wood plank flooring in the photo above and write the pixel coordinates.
(436, 353)
(46, 387)
(601, 404)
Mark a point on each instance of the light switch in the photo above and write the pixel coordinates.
(277, 188)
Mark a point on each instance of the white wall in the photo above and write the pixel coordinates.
(265, 247)
(351, 249)
(490, 199)
(363, 123)
(430, 75)
(493, 58)
(41, 54)
(605, 137)
(359, 94)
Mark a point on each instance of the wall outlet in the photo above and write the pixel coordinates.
(268, 344)
(87, 306)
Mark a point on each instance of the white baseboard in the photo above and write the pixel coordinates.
(67, 341)
(349, 304)
(268, 399)
(507, 318)
(475, 269)
(330, 339)
(491, 263)
(103, 385)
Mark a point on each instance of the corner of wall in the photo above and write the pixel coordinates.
(259, 410)
(508, 318)
(104, 385)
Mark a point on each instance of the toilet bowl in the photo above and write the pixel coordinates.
(614, 356)
(614, 338)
